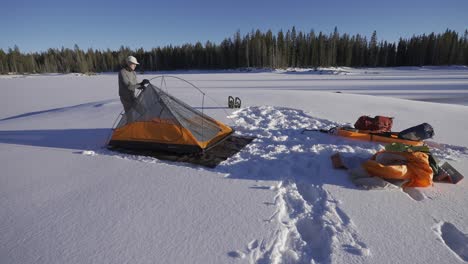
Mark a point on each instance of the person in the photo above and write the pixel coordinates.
(128, 83)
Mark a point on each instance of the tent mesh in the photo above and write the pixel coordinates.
(155, 104)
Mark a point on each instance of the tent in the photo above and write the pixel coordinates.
(159, 121)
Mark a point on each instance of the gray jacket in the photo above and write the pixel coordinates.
(127, 84)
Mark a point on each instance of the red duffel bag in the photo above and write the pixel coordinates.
(377, 124)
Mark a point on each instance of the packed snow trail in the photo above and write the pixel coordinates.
(311, 225)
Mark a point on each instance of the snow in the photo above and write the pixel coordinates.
(66, 199)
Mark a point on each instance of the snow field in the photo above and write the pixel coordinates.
(65, 199)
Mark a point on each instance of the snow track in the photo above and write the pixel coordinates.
(311, 227)
(311, 224)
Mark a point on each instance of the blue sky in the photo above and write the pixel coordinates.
(36, 25)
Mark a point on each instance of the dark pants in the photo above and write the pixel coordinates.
(127, 103)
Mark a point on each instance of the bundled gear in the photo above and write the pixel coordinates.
(376, 124)
(411, 166)
(378, 129)
(405, 162)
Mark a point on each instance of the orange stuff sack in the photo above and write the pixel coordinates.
(413, 166)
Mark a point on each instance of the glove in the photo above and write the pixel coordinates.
(145, 82)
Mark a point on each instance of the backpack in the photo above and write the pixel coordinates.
(377, 124)
(419, 132)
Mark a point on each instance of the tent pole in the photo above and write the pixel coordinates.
(203, 115)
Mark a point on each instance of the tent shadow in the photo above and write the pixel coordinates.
(93, 138)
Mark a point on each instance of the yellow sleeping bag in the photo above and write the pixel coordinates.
(413, 166)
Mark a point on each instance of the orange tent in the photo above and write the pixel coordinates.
(159, 121)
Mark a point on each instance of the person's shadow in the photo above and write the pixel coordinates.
(78, 139)
(92, 138)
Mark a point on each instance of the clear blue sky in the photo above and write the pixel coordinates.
(36, 25)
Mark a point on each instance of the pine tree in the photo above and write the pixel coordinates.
(465, 49)
(293, 48)
(322, 50)
(280, 62)
(3, 62)
(373, 50)
(401, 53)
(334, 47)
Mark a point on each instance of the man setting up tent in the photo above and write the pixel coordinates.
(128, 83)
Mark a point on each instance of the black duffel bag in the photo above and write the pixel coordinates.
(419, 132)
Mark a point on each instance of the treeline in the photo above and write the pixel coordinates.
(255, 49)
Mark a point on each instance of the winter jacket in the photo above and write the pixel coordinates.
(127, 84)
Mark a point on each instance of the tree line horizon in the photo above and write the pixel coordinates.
(256, 49)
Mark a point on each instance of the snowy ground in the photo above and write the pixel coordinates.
(65, 199)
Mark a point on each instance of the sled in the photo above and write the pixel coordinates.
(364, 135)
(389, 137)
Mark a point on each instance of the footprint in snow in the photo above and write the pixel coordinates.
(236, 254)
(252, 245)
(259, 187)
(453, 238)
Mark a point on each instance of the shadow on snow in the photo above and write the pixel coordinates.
(93, 138)
(60, 109)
